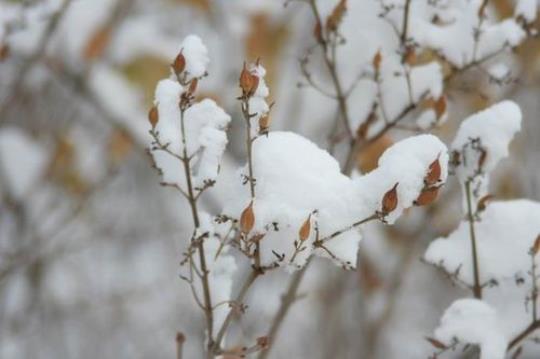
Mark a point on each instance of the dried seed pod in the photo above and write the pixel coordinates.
(536, 246)
(440, 107)
(153, 116)
(377, 59)
(410, 56)
(436, 343)
(390, 200)
(179, 64)
(264, 123)
(305, 230)
(248, 82)
(434, 172)
(334, 19)
(247, 219)
(317, 32)
(427, 196)
(193, 86)
(482, 202)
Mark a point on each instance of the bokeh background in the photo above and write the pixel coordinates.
(90, 243)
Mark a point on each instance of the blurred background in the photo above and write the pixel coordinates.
(90, 243)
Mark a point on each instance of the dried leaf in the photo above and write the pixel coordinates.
(247, 219)
(434, 172)
(390, 200)
(153, 116)
(179, 64)
(248, 82)
(436, 343)
(305, 230)
(264, 123)
(193, 86)
(427, 196)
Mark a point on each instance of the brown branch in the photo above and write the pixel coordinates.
(524, 334)
(477, 288)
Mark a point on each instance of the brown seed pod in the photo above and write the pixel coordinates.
(482, 202)
(390, 200)
(434, 172)
(247, 219)
(264, 123)
(193, 86)
(436, 343)
(248, 82)
(305, 230)
(179, 64)
(153, 116)
(377, 59)
(440, 107)
(536, 246)
(334, 19)
(427, 196)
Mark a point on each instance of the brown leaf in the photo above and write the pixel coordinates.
(193, 86)
(305, 230)
(482, 202)
(434, 172)
(153, 116)
(179, 64)
(436, 343)
(247, 219)
(390, 200)
(264, 123)
(427, 196)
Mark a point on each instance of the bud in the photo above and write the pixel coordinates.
(434, 173)
(536, 246)
(180, 337)
(248, 82)
(334, 19)
(179, 64)
(482, 203)
(427, 196)
(377, 61)
(304, 231)
(263, 342)
(247, 219)
(317, 32)
(264, 123)
(193, 86)
(153, 116)
(440, 107)
(390, 200)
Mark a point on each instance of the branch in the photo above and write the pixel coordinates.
(477, 288)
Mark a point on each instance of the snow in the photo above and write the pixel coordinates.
(196, 55)
(22, 161)
(257, 103)
(494, 127)
(205, 124)
(526, 9)
(475, 322)
(294, 178)
(504, 235)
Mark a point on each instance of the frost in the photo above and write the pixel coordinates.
(475, 322)
(504, 235)
(483, 138)
(205, 138)
(196, 55)
(294, 178)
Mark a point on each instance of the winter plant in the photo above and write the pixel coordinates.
(292, 200)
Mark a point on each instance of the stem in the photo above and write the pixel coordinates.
(477, 288)
(249, 145)
(534, 293)
(200, 246)
(518, 338)
(348, 228)
(405, 21)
